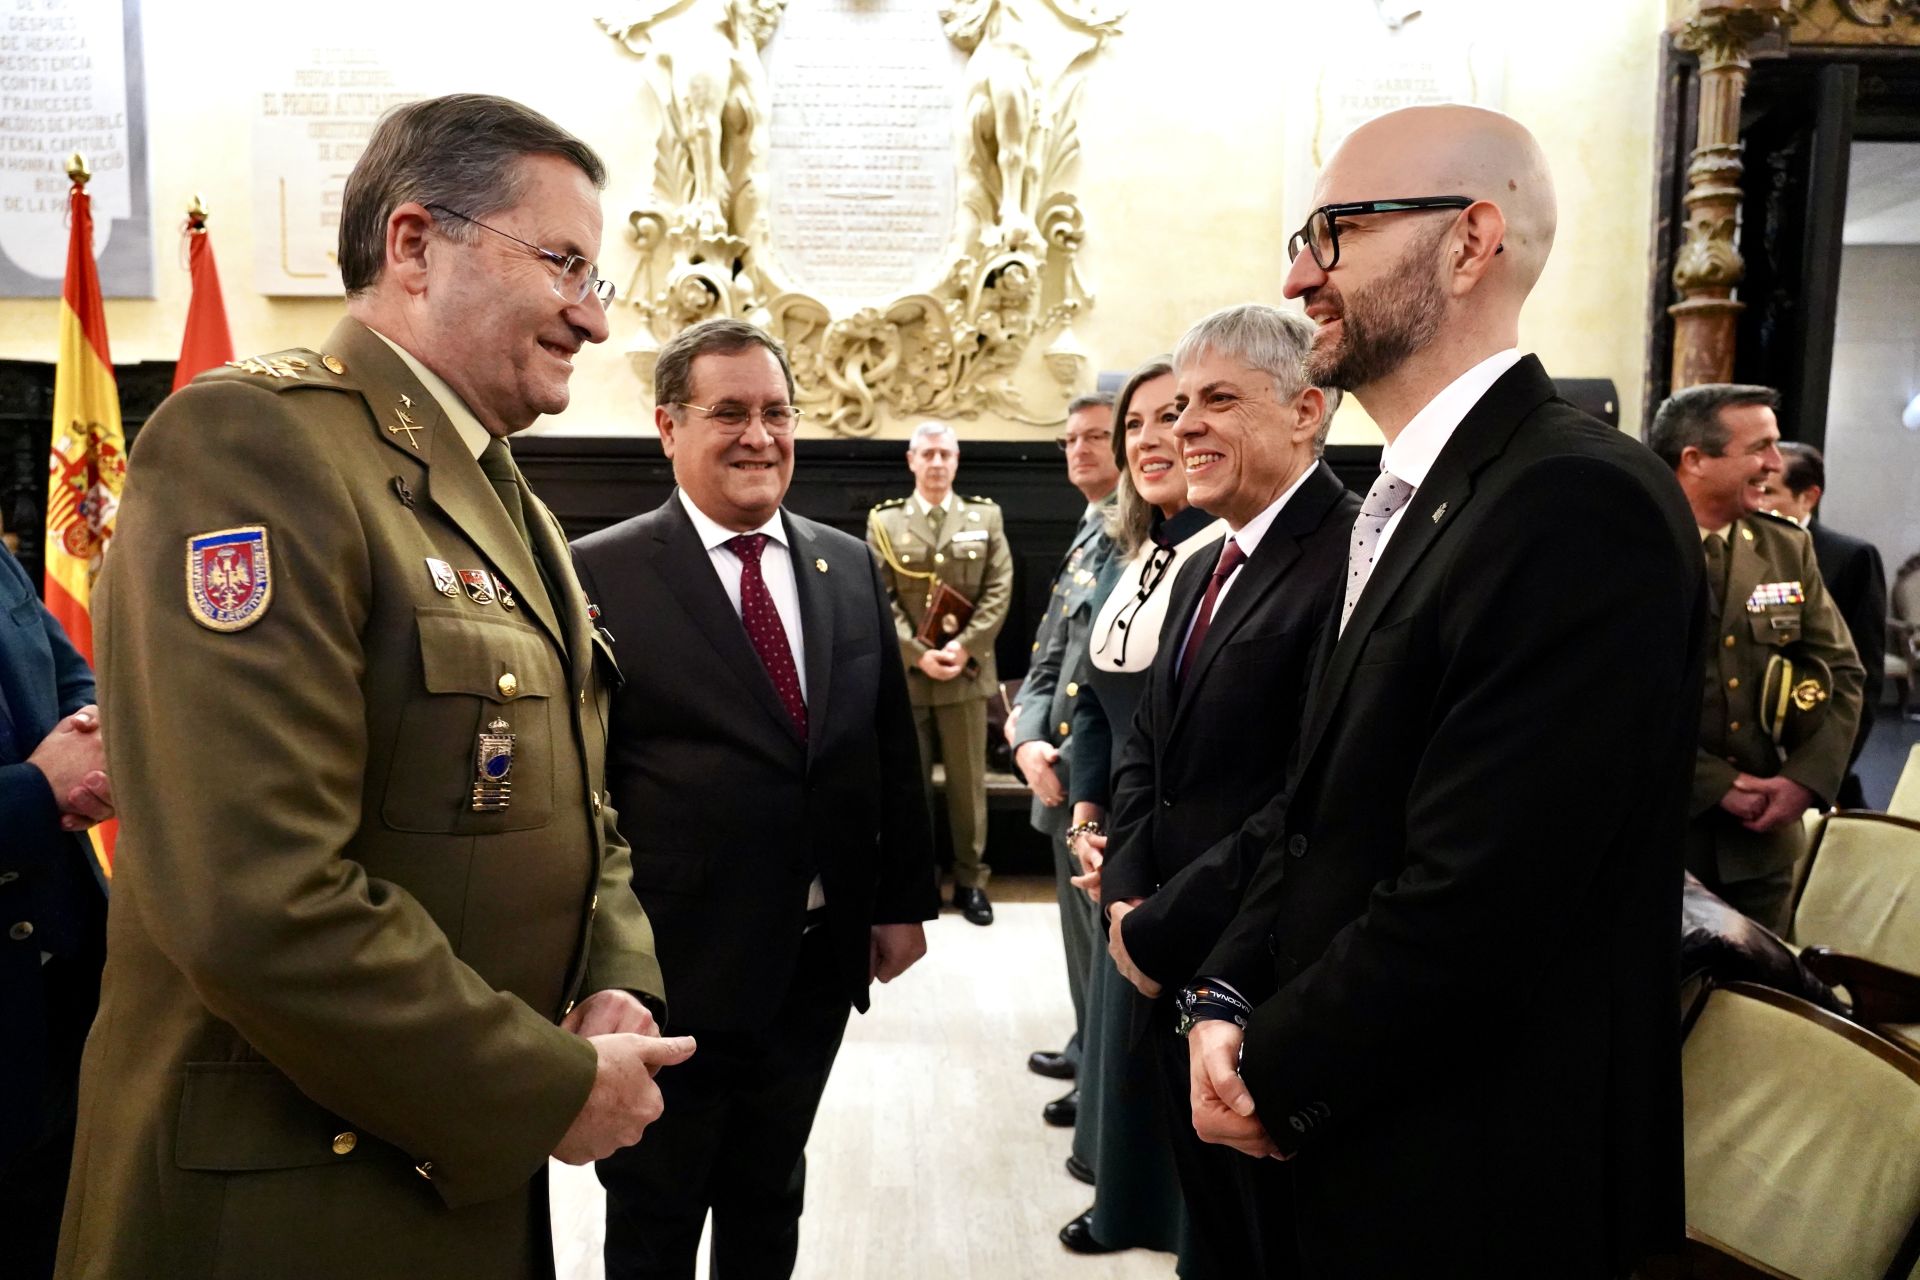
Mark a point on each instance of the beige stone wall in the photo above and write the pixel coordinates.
(1182, 177)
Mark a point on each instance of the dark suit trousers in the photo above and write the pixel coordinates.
(1239, 1210)
(733, 1138)
(33, 1184)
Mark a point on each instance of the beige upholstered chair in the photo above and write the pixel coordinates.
(1802, 1143)
(1858, 918)
(1906, 792)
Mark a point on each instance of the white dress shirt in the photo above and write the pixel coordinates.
(775, 568)
(1248, 536)
(1412, 453)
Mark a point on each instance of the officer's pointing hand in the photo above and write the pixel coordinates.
(624, 1100)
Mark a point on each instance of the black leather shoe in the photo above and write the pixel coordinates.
(1054, 1066)
(973, 905)
(1080, 1169)
(1078, 1236)
(1062, 1112)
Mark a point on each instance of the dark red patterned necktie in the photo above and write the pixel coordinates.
(1231, 557)
(765, 630)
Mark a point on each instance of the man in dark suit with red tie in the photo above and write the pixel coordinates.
(763, 760)
(1448, 997)
(1217, 720)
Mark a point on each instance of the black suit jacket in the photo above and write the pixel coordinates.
(46, 875)
(1205, 752)
(1462, 943)
(1857, 582)
(729, 815)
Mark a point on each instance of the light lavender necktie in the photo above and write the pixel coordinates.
(1388, 494)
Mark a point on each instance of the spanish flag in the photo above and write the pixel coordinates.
(89, 461)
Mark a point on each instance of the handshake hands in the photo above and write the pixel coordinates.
(73, 759)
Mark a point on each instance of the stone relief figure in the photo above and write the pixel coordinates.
(708, 78)
(1012, 138)
(953, 350)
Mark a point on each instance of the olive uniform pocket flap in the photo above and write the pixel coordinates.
(486, 659)
(237, 1116)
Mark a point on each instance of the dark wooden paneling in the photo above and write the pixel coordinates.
(26, 440)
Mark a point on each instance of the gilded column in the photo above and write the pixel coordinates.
(1708, 265)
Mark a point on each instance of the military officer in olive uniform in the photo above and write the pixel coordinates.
(1042, 720)
(1783, 688)
(372, 951)
(939, 537)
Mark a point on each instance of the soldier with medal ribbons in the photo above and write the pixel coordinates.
(1783, 686)
(948, 569)
(373, 955)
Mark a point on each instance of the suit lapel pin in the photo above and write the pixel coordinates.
(821, 565)
(1439, 511)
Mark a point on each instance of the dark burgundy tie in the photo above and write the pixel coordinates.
(765, 629)
(1231, 558)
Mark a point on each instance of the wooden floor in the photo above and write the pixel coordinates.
(929, 1160)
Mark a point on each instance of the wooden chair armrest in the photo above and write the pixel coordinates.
(1704, 1258)
(1879, 993)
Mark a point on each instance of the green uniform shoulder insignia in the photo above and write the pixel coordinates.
(1780, 520)
(889, 504)
(985, 502)
(294, 367)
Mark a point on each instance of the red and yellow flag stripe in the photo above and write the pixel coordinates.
(88, 465)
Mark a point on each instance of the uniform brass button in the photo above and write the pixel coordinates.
(939, 558)
(334, 364)
(594, 905)
(509, 685)
(1729, 642)
(344, 1143)
(1065, 728)
(1073, 689)
(596, 802)
(1734, 683)
(21, 931)
(1734, 727)
(583, 697)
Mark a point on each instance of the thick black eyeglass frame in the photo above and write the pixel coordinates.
(1359, 208)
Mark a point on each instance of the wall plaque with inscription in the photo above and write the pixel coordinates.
(861, 153)
(70, 80)
(313, 113)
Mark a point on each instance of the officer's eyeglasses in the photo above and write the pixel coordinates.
(731, 418)
(577, 278)
(1321, 235)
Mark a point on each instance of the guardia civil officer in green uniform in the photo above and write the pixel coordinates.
(1783, 684)
(373, 954)
(938, 537)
